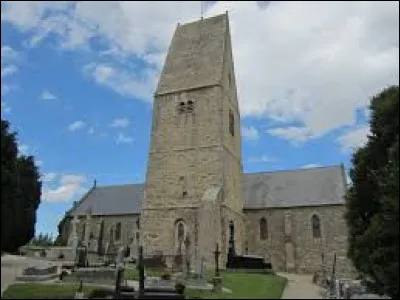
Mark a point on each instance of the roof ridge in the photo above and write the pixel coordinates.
(295, 170)
(119, 185)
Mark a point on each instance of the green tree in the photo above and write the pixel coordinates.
(42, 240)
(20, 193)
(373, 198)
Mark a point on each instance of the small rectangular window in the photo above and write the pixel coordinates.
(231, 123)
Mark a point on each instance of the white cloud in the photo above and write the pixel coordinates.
(91, 131)
(250, 133)
(48, 177)
(292, 133)
(354, 138)
(68, 187)
(348, 179)
(8, 70)
(23, 149)
(8, 57)
(310, 166)
(123, 81)
(120, 123)
(261, 159)
(5, 108)
(39, 163)
(7, 88)
(8, 53)
(77, 125)
(47, 95)
(311, 63)
(123, 139)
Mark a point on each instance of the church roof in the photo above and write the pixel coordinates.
(195, 56)
(292, 188)
(111, 200)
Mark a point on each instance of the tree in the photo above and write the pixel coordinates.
(373, 198)
(42, 240)
(20, 193)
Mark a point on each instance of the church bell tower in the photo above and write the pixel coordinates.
(194, 175)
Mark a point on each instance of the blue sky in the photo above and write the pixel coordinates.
(77, 84)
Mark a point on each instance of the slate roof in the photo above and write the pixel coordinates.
(302, 187)
(292, 188)
(195, 56)
(111, 200)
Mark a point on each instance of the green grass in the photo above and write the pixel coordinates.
(245, 286)
(133, 273)
(44, 291)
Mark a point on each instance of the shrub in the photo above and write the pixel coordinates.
(166, 276)
(180, 287)
(100, 294)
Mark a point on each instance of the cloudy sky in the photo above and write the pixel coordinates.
(77, 80)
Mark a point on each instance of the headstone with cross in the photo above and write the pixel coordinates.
(217, 280)
(141, 272)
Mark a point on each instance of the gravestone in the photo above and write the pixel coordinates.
(141, 272)
(39, 274)
(201, 272)
(243, 261)
(120, 256)
(217, 280)
(155, 261)
(40, 271)
(81, 257)
(98, 275)
(79, 293)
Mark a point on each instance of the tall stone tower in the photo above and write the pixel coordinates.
(194, 176)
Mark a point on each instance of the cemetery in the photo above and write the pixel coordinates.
(114, 277)
(113, 274)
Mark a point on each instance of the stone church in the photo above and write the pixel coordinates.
(195, 186)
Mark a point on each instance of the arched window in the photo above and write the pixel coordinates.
(181, 232)
(263, 229)
(190, 106)
(181, 107)
(83, 231)
(118, 230)
(316, 226)
(138, 223)
(137, 237)
(231, 123)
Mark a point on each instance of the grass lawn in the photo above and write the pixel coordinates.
(245, 286)
(133, 273)
(44, 291)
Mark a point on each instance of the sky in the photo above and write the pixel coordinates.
(77, 84)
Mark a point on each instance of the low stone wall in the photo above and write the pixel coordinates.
(92, 275)
(61, 253)
(50, 253)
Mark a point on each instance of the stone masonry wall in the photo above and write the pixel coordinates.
(308, 250)
(159, 228)
(186, 150)
(128, 228)
(209, 232)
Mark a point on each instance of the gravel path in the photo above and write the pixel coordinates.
(300, 287)
(13, 265)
